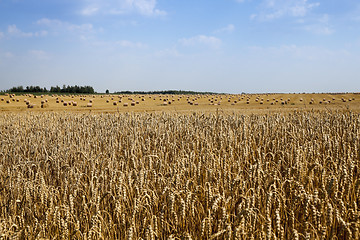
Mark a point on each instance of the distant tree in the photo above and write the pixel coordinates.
(164, 92)
(107, 91)
(57, 89)
(17, 89)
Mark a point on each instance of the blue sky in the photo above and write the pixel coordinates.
(229, 46)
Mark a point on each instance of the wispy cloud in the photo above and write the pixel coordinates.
(9, 55)
(321, 26)
(1, 35)
(120, 44)
(142, 7)
(130, 44)
(169, 52)
(89, 10)
(39, 54)
(13, 30)
(354, 15)
(274, 9)
(57, 27)
(208, 41)
(228, 29)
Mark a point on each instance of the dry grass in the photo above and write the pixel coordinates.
(176, 176)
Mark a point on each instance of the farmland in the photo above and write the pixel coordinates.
(180, 103)
(180, 167)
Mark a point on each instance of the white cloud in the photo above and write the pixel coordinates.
(39, 54)
(324, 19)
(14, 31)
(228, 29)
(320, 30)
(89, 10)
(49, 22)
(41, 33)
(130, 44)
(209, 41)
(274, 9)
(80, 28)
(9, 55)
(146, 7)
(321, 26)
(143, 7)
(58, 26)
(170, 52)
(253, 16)
(113, 45)
(1, 35)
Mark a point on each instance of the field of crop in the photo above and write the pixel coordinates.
(254, 103)
(169, 175)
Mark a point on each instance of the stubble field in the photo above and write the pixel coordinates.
(242, 103)
(181, 170)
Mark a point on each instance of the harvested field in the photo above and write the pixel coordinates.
(291, 175)
(243, 103)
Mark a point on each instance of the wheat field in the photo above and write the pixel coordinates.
(293, 175)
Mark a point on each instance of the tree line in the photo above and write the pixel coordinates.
(90, 90)
(57, 89)
(165, 92)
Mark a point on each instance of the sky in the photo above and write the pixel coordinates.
(232, 46)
